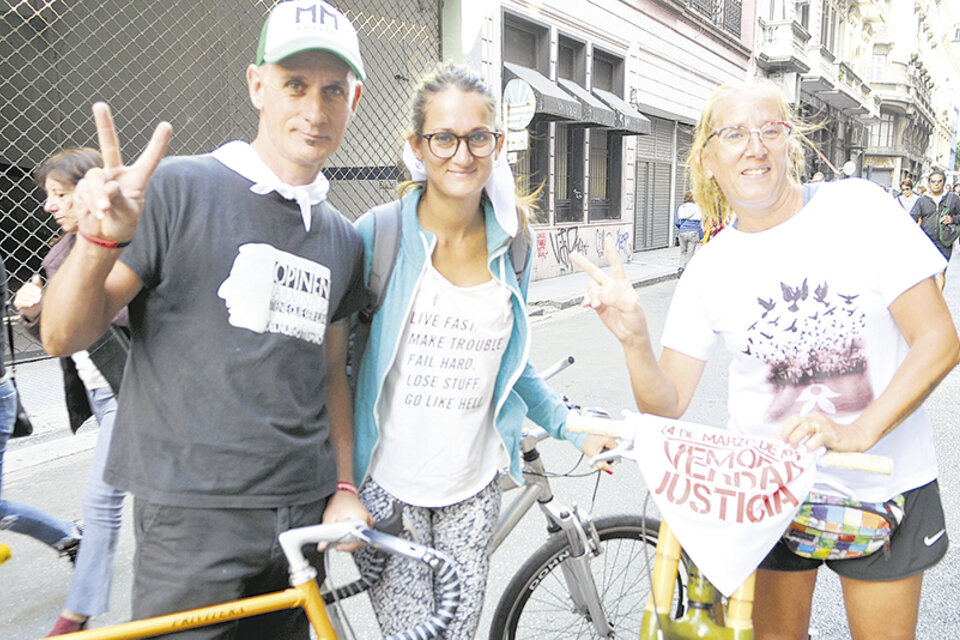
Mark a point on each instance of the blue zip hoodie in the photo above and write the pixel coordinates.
(519, 391)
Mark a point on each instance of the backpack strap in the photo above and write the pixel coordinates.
(519, 251)
(386, 246)
(809, 188)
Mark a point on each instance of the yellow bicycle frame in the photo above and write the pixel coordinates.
(306, 596)
(698, 621)
(305, 593)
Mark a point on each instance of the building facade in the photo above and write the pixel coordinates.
(615, 88)
(815, 52)
(914, 72)
(879, 76)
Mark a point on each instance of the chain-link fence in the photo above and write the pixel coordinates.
(182, 61)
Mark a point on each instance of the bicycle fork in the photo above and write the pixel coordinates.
(584, 543)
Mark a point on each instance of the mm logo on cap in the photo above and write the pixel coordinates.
(296, 26)
(312, 12)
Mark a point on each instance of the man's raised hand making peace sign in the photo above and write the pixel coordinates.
(83, 297)
(111, 198)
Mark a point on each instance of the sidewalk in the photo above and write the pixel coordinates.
(41, 382)
(645, 267)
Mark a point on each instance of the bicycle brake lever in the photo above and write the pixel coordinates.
(613, 455)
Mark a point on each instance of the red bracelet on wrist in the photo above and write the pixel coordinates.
(100, 242)
(349, 487)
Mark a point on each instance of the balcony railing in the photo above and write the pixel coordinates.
(725, 14)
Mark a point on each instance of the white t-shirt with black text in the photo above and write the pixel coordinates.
(438, 444)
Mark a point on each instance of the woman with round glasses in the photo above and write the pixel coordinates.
(444, 384)
(836, 332)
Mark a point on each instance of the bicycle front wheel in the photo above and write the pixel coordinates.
(537, 602)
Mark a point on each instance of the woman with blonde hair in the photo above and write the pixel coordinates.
(445, 383)
(832, 343)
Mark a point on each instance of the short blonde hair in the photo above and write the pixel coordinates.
(706, 191)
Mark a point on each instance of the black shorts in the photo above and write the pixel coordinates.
(919, 543)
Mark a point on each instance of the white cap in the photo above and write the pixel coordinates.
(303, 25)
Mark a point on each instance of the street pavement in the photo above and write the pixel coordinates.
(49, 468)
(40, 382)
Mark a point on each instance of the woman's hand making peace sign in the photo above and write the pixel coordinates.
(614, 298)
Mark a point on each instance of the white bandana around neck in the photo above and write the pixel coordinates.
(501, 188)
(240, 157)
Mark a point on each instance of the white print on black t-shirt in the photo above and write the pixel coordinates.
(272, 291)
(812, 344)
(441, 362)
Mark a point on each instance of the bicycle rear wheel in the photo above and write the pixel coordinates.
(537, 603)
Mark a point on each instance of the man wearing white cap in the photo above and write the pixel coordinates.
(235, 421)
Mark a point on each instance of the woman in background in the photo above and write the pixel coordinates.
(91, 379)
(689, 229)
(907, 197)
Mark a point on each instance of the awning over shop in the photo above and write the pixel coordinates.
(595, 113)
(629, 121)
(552, 103)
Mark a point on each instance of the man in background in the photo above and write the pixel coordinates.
(938, 213)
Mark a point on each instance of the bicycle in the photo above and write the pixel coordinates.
(586, 580)
(708, 614)
(304, 591)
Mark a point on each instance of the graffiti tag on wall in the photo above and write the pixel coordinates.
(564, 241)
(542, 251)
(554, 246)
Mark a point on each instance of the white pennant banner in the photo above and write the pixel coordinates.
(728, 497)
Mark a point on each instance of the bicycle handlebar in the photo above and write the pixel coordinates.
(448, 581)
(556, 367)
(624, 430)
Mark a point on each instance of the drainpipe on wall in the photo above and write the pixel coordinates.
(673, 186)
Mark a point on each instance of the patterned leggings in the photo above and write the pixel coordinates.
(406, 594)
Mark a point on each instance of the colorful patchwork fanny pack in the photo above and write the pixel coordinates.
(835, 528)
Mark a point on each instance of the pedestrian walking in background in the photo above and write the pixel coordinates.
(688, 221)
(91, 380)
(62, 535)
(938, 213)
(907, 197)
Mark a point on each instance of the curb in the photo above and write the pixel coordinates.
(540, 307)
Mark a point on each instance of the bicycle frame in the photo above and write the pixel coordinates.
(306, 596)
(578, 529)
(304, 592)
(702, 599)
